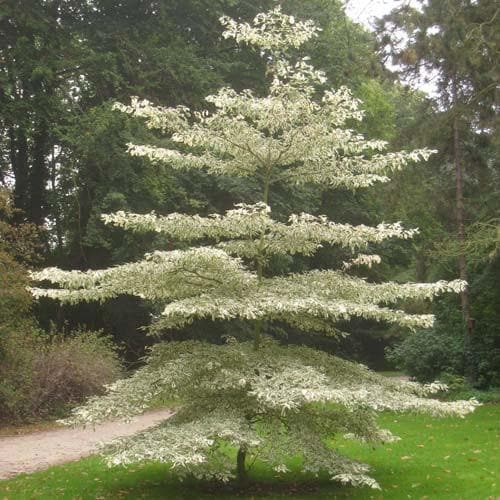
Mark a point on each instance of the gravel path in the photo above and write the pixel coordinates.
(42, 449)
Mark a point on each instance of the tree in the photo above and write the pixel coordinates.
(104, 51)
(266, 400)
(39, 55)
(455, 41)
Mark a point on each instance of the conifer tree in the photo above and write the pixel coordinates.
(263, 399)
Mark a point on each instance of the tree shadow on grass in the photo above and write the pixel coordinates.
(155, 481)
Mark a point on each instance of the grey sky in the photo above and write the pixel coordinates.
(363, 11)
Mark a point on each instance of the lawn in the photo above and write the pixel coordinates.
(436, 459)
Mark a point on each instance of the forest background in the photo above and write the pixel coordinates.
(64, 162)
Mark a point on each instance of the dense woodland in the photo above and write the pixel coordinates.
(64, 162)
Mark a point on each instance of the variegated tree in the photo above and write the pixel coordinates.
(263, 399)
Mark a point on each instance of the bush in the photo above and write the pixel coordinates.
(15, 300)
(42, 376)
(426, 354)
(459, 388)
(485, 341)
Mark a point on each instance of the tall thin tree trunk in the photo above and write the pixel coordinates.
(19, 161)
(54, 188)
(39, 175)
(462, 260)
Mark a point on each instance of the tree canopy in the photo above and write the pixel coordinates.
(257, 396)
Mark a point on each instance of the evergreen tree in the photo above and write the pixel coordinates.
(456, 42)
(267, 400)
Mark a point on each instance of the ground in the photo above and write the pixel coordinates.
(40, 450)
(437, 459)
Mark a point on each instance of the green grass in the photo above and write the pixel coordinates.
(437, 459)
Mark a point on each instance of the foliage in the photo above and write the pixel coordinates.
(271, 402)
(19, 246)
(482, 243)
(38, 55)
(62, 146)
(446, 458)
(15, 299)
(44, 376)
(267, 400)
(460, 389)
(454, 42)
(21, 241)
(428, 354)
(102, 52)
(40, 375)
(485, 344)
(16, 246)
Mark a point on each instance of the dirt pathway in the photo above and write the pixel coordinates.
(40, 450)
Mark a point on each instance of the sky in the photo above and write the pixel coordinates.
(363, 11)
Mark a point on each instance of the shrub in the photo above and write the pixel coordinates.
(15, 300)
(43, 375)
(426, 354)
(40, 375)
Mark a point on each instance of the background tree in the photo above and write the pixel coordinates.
(170, 53)
(268, 400)
(453, 42)
(39, 58)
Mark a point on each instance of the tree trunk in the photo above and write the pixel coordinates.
(39, 175)
(19, 162)
(240, 465)
(462, 262)
(56, 212)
